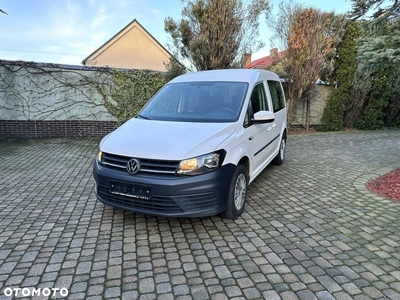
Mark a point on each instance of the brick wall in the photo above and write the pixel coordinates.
(47, 129)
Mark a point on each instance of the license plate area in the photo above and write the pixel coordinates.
(130, 190)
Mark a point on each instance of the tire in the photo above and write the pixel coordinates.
(280, 157)
(237, 193)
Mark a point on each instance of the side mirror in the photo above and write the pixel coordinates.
(263, 116)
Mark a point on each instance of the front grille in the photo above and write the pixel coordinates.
(162, 204)
(147, 166)
(156, 204)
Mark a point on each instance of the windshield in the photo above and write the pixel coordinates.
(197, 102)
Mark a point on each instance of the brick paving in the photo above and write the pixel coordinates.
(311, 230)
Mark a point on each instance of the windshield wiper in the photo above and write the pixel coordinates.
(143, 117)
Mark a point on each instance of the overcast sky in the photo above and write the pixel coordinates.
(67, 31)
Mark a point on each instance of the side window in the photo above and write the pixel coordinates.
(258, 99)
(258, 102)
(278, 100)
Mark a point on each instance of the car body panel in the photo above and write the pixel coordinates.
(166, 140)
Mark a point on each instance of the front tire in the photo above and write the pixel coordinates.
(237, 193)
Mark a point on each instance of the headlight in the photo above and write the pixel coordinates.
(99, 155)
(201, 164)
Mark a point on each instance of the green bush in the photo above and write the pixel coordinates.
(396, 121)
(130, 91)
(332, 118)
(373, 113)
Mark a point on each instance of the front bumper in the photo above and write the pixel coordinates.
(176, 196)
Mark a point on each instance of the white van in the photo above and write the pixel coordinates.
(196, 146)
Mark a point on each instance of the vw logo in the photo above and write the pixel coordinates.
(133, 166)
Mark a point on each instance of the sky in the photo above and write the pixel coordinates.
(67, 31)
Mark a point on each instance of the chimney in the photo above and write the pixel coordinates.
(273, 53)
(246, 59)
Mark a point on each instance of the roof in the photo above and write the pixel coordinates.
(106, 44)
(266, 61)
(235, 75)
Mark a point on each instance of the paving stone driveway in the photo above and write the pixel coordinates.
(311, 230)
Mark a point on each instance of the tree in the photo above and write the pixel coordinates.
(215, 34)
(309, 36)
(361, 8)
(382, 44)
(393, 109)
(380, 49)
(372, 115)
(174, 69)
(342, 78)
(358, 95)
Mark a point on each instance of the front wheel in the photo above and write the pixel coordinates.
(237, 193)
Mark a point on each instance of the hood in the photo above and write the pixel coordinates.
(165, 140)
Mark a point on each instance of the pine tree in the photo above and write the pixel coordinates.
(345, 67)
(382, 44)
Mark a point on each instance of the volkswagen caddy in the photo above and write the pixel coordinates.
(196, 145)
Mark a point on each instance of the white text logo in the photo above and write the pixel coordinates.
(30, 292)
